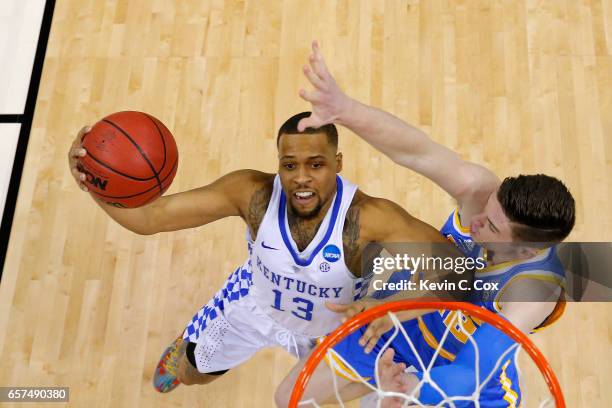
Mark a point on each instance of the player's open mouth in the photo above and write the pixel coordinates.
(303, 197)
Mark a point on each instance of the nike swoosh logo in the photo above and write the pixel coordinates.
(263, 244)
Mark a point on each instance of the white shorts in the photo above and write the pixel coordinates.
(231, 327)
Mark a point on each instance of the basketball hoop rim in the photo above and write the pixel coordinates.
(369, 315)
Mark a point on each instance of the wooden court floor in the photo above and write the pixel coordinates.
(516, 85)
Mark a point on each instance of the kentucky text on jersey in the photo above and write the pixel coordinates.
(288, 283)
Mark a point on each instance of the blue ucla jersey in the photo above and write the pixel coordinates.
(427, 331)
(292, 286)
(544, 266)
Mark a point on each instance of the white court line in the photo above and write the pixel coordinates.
(9, 134)
(20, 22)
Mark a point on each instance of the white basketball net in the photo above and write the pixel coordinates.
(409, 400)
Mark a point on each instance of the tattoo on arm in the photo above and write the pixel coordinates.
(350, 239)
(257, 208)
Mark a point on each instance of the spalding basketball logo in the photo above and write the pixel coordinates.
(331, 253)
(92, 179)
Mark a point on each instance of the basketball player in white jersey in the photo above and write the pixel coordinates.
(306, 229)
(531, 212)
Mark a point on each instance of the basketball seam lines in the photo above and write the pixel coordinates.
(114, 170)
(162, 139)
(144, 156)
(142, 192)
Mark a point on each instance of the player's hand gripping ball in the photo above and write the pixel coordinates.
(131, 159)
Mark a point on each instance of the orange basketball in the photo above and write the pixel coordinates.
(131, 159)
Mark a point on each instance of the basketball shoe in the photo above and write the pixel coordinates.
(165, 378)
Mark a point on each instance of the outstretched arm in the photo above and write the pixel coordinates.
(400, 141)
(228, 196)
(225, 197)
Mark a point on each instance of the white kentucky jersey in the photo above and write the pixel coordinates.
(292, 286)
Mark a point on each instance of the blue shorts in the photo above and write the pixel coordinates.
(502, 390)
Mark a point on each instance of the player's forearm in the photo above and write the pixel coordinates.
(134, 219)
(404, 144)
(387, 133)
(404, 315)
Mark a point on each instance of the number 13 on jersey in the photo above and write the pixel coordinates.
(302, 307)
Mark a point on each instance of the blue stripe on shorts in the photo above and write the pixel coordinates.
(237, 286)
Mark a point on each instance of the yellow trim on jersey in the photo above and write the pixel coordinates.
(457, 222)
(432, 342)
(546, 278)
(339, 368)
(497, 267)
(511, 397)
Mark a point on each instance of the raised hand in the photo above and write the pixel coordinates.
(392, 377)
(328, 101)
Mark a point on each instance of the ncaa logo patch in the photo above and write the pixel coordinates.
(331, 253)
(324, 267)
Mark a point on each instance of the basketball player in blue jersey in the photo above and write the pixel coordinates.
(306, 229)
(516, 221)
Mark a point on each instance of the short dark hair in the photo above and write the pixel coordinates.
(541, 206)
(290, 127)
